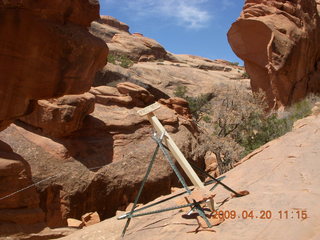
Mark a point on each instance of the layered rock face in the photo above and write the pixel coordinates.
(278, 41)
(156, 69)
(100, 166)
(121, 42)
(46, 51)
(23, 208)
(62, 116)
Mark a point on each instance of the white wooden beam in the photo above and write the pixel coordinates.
(168, 141)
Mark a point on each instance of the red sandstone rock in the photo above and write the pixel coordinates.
(278, 41)
(100, 166)
(120, 42)
(106, 27)
(17, 207)
(62, 116)
(90, 218)
(180, 105)
(126, 94)
(75, 223)
(137, 93)
(46, 51)
(292, 184)
(113, 22)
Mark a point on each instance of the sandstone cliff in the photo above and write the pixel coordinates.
(278, 41)
(90, 150)
(99, 166)
(46, 51)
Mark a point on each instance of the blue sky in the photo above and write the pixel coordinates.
(196, 27)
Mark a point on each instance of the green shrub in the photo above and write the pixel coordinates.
(180, 91)
(197, 105)
(120, 60)
(245, 75)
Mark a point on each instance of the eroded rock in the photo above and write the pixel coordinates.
(62, 116)
(278, 41)
(46, 51)
(100, 166)
(19, 201)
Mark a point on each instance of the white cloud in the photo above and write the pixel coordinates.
(227, 4)
(187, 13)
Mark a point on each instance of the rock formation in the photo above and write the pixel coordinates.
(46, 51)
(23, 208)
(99, 167)
(278, 41)
(156, 69)
(87, 151)
(122, 42)
(62, 116)
(280, 176)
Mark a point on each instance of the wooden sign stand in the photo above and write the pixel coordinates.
(169, 143)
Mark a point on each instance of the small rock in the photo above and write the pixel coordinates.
(75, 223)
(90, 218)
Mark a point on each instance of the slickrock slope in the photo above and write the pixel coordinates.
(278, 41)
(99, 166)
(46, 51)
(157, 69)
(280, 176)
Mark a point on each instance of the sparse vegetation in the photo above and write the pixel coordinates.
(198, 105)
(121, 60)
(234, 63)
(245, 75)
(235, 122)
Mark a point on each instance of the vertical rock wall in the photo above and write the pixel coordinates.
(278, 41)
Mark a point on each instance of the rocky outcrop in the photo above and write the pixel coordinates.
(163, 78)
(62, 116)
(278, 41)
(142, 61)
(122, 43)
(100, 166)
(17, 207)
(46, 51)
(292, 185)
(106, 27)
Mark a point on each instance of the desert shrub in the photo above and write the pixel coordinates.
(234, 63)
(198, 105)
(245, 75)
(239, 123)
(227, 151)
(180, 91)
(121, 60)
